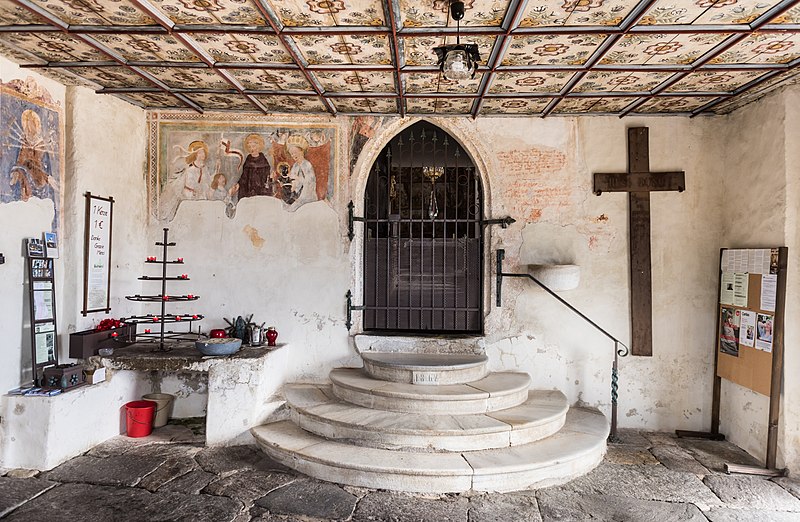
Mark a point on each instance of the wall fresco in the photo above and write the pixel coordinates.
(230, 161)
(31, 152)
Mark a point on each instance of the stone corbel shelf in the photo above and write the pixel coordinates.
(557, 277)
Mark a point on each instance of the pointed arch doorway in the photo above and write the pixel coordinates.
(423, 237)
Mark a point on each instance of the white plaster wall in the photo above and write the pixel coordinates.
(21, 220)
(106, 146)
(754, 196)
(789, 429)
(292, 269)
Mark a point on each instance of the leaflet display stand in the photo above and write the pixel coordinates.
(44, 332)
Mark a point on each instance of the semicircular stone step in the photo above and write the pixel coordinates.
(570, 453)
(316, 409)
(425, 368)
(496, 391)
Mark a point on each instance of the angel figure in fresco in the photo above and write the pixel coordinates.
(191, 182)
(31, 173)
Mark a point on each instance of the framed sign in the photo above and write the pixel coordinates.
(97, 254)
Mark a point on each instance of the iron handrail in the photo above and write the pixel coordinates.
(618, 352)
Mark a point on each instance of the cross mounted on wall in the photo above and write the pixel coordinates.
(638, 182)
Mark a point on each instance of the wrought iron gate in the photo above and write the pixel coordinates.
(423, 237)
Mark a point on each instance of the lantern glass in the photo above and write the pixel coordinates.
(457, 65)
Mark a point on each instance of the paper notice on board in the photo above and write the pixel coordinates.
(726, 289)
(764, 332)
(769, 289)
(740, 283)
(747, 328)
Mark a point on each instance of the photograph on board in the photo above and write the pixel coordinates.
(729, 334)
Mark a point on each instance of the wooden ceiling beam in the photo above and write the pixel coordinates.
(389, 7)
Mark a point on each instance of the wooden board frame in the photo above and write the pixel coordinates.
(41, 279)
(755, 369)
(108, 203)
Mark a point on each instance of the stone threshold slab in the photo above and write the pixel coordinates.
(574, 451)
(316, 409)
(494, 392)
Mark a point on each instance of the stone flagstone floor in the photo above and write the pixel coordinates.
(170, 476)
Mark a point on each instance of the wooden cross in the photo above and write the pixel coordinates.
(638, 182)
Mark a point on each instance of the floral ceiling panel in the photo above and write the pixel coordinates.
(530, 82)
(615, 81)
(706, 12)
(318, 13)
(418, 83)
(187, 78)
(594, 105)
(356, 105)
(344, 49)
(435, 13)
(147, 47)
(719, 81)
(660, 49)
(112, 77)
(155, 100)
(673, 104)
(228, 102)
(209, 12)
(439, 105)
(357, 81)
(576, 12)
(544, 57)
(419, 50)
(763, 48)
(243, 47)
(271, 80)
(552, 49)
(529, 106)
(310, 104)
(95, 12)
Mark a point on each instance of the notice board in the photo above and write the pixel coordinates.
(750, 316)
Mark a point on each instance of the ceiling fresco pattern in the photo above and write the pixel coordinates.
(538, 58)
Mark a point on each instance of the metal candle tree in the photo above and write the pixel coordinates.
(161, 336)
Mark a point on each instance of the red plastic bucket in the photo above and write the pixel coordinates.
(139, 415)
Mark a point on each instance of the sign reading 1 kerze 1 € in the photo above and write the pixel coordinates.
(98, 253)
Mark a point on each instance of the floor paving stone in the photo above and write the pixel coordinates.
(622, 454)
(792, 485)
(310, 498)
(715, 454)
(644, 483)
(750, 515)
(677, 459)
(558, 505)
(171, 469)
(236, 458)
(15, 492)
(89, 503)
(631, 437)
(748, 492)
(191, 483)
(247, 486)
(504, 508)
(120, 470)
(665, 438)
(397, 507)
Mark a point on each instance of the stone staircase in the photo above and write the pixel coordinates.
(434, 423)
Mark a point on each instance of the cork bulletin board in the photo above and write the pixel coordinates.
(750, 316)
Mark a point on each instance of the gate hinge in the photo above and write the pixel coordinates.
(352, 218)
(503, 222)
(350, 308)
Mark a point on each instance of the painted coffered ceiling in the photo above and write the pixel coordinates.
(539, 58)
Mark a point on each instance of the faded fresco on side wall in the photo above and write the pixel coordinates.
(230, 161)
(31, 162)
